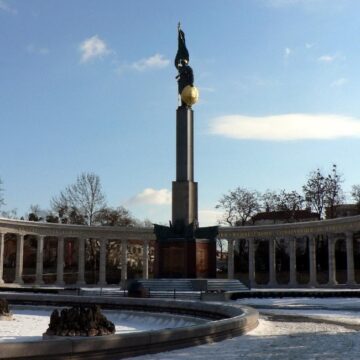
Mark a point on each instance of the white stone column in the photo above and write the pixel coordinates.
(312, 260)
(272, 263)
(39, 259)
(2, 245)
(145, 262)
(332, 264)
(19, 259)
(350, 259)
(60, 262)
(123, 263)
(81, 262)
(102, 264)
(251, 246)
(292, 256)
(230, 258)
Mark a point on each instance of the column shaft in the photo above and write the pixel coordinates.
(39, 260)
(102, 265)
(251, 263)
(350, 259)
(60, 262)
(81, 262)
(19, 259)
(2, 245)
(292, 256)
(312, 260)
(272, 263)
(332, 264)
(230, 259)
(145, 260)
(123, 263)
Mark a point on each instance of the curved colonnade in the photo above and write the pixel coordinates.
(342, 228)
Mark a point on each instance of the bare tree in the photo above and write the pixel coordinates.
(2, 200)
(85, 198)
(239, 205)
(290, 201)
(315, 192)
(334, 193)
(355, 193)
(321, 191)
(115, 217)
(270, 200)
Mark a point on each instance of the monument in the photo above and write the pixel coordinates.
(183, 249)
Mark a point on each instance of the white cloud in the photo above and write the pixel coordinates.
(93, 48)
(339, 82)
(286, 127)
(209, 217)
(287, 52)
(327, 59)
(4, 6)
(309, 45)
(32, 49)
(156, 61)
(151, 196)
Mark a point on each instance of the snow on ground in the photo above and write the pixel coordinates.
(327, 336)
(331, 303)
(29, 323)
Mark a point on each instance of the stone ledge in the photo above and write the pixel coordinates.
(231, 320)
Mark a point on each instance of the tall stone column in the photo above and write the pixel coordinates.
(332, 264)
(39, 260)
(251, 262)
(102, 264)
(230, 258)
(312, 260)
(19, 259)
(272, 262)
(81, 262)
(350, 259)
(145, 262)
(123, 263)
(292, 256)
(2, 245)
(60, 262)
(184, 189)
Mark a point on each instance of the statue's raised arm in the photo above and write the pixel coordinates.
(182, 53)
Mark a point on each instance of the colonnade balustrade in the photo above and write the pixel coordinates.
(330, 231)
(79, 234)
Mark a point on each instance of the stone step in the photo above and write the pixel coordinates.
(226, 285)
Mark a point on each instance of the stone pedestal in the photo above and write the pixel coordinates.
(185, 257)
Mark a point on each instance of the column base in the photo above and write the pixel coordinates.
(102, 283)
(2, 282)
(80, 283)
(39, 282)
(60, 283)
(19, 281)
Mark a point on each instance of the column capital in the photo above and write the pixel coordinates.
(349, 234)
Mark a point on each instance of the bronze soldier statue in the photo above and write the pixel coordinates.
(186, 75)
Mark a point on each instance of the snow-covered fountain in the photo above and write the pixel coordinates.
(140, 325)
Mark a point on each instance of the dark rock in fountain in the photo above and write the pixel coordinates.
(79, 320)
(5, 313)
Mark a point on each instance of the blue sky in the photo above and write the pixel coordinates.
(89, 85)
